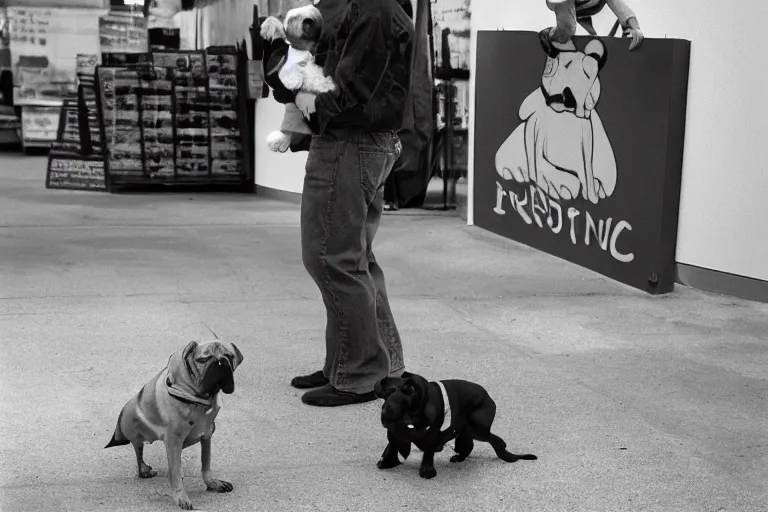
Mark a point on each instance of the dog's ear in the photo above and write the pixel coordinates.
(408, 388)
(271, 29)
(310, 30)
(188, 354)
(415, 386)
(597, 50)
(378, 388)
(238, 356)
(189, 350)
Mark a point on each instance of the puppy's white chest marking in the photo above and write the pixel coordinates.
(447, 406)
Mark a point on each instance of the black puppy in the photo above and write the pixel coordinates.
(430, 414)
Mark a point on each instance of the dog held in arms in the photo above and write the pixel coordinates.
(295, 69)
(179, 406)
(430, 414)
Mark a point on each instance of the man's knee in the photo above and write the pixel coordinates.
(312, 258)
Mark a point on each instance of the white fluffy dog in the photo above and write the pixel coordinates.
(298, 72)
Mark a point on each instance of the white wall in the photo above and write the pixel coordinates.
(281, 171)
(723, 213)
(221, 22)
(227, 22)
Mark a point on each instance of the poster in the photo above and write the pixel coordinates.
(44, 45)
(123, 32)
(86, 67)
(452, 17)
(39, 125)
(579, 153)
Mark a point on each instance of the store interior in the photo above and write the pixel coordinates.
(54, 74)
(58, 58)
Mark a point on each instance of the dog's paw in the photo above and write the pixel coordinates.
(183, 501)
(388, 463)
(428, 472)
(147, 472)
(278, 141)
(218, 485)
(458, 458)
(272, 29)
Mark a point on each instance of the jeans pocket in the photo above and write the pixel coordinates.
(374, 168)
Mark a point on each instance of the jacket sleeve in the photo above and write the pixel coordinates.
(357, 70)
(621, 10)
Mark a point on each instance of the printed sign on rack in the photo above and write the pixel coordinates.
(75, 173)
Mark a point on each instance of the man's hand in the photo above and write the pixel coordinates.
(305, 101)
(632, 31)
(636, 35)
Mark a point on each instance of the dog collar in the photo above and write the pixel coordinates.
(184, 396)
(446, 406)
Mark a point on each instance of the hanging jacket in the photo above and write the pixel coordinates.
(419, 119)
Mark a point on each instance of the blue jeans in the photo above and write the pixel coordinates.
(341, 208)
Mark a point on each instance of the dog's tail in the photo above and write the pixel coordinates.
(499, 446)
(118, 439)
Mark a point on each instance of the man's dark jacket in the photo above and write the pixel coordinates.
(368, 47)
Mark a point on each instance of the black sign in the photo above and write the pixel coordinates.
(579, 153)
(164, 38)
(68, 168)
(75, 172)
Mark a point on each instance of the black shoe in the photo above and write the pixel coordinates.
(328, 396)
(313, 380)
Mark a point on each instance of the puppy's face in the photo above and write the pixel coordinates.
(212, 365)
(404, 397)
(303, 26)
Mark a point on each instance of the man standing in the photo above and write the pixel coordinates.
(353, 150)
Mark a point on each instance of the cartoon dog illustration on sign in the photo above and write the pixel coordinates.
(562, 146)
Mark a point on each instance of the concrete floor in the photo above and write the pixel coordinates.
(632, 403)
